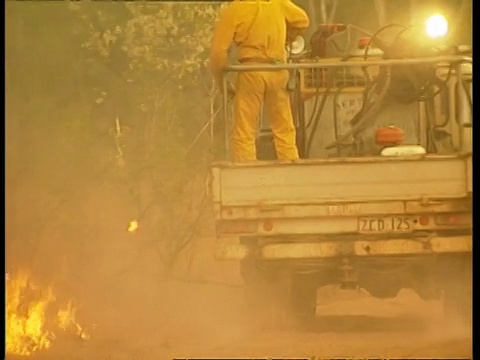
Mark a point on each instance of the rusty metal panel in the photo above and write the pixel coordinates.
(437, 206)
(331, 226)
(343, 181)
(386, 247)
(231, 252)
(302, 251)
(309, 210)
(455, 244)
(345, 209)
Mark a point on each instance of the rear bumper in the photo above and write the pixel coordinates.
(363, 248)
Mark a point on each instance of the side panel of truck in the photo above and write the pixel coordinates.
(346, 180)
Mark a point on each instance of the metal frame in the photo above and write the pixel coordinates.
(456, 61)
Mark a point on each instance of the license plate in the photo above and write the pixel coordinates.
(386, 224)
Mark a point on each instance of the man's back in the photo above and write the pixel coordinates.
(257, 27)
(260, 29)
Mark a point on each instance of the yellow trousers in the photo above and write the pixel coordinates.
(252, 90)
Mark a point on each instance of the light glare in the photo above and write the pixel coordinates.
(297, 45)
(436, 26)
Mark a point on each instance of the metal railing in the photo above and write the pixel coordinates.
(455, 61)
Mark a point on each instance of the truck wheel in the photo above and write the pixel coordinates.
(258, 289)
(457, 292)
(303, 300)
(277, 299)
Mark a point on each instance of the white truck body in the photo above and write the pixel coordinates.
(317, 199)
(329, 206)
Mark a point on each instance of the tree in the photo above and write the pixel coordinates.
(137, 107)
(159, 52)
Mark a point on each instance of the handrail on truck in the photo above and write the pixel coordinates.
(455, 61)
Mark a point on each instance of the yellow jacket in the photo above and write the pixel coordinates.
(257, 27)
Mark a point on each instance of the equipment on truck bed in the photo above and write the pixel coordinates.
(387, 207)
(416, 84)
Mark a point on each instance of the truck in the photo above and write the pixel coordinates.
(381, 197)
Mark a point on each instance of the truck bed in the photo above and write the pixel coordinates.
(320, 181)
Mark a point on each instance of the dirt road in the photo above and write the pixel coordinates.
(163, 321)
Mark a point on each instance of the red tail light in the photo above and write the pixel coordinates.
(424, 220)
(268, 225)
(454, 219)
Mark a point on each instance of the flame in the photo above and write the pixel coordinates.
(133, 226)
(66, 319)
(27, 328)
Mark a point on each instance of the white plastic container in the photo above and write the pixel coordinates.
(403, 150)
(358, 54)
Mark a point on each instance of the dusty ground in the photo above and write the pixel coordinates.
(153, 320)
(138, 316)
(131, 314)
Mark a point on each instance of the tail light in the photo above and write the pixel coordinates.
(236, 227)
(424, 220)
(267, 225)
(453, 219)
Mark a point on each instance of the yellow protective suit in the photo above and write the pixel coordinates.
(259, 29)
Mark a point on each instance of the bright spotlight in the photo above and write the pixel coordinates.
(436, 26)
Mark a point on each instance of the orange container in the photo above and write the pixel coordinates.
(389, 135)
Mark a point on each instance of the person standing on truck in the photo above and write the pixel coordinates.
(258, 28)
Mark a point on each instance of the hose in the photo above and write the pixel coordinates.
(367, 116)
(368, 109)
(431, 145)
(316, 121)
(376, 33)
(317, 96)
(442, 85)
(366, 94)
(403, 88)
(315, 104)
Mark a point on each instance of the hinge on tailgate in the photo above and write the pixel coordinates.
(430, 202)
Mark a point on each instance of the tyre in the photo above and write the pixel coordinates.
(278, 299)
(457, 291)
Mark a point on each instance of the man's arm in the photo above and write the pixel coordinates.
(222, 39)
(295, 16)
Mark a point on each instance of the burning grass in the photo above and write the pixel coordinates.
(34, 318)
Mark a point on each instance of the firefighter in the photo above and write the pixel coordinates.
(258, 28)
